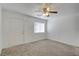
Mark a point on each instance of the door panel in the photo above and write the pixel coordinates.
(13, 31)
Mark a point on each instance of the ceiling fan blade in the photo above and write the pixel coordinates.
(53, 12)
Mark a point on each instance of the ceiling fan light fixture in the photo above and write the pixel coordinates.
(46, 14)
(47, 10)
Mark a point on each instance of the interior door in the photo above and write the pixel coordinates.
(13, 31)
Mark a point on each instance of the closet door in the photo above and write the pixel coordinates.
(13, 31)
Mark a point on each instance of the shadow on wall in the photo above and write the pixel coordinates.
(64, 29)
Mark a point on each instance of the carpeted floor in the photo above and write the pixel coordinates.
(41, 48)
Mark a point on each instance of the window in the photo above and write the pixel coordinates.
(39, 27)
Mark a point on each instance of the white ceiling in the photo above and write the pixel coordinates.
(30, 9)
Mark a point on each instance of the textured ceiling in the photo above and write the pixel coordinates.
(31, 8)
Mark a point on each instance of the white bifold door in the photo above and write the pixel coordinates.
(12, 31)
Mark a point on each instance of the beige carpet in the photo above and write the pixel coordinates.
(41, 48)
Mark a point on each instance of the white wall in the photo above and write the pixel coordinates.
(29, 30)
(64, 29)
(18, 28)
(0, 29)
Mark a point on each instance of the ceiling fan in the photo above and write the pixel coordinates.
(47, 9)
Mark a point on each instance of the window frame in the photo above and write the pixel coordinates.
(40, 25)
